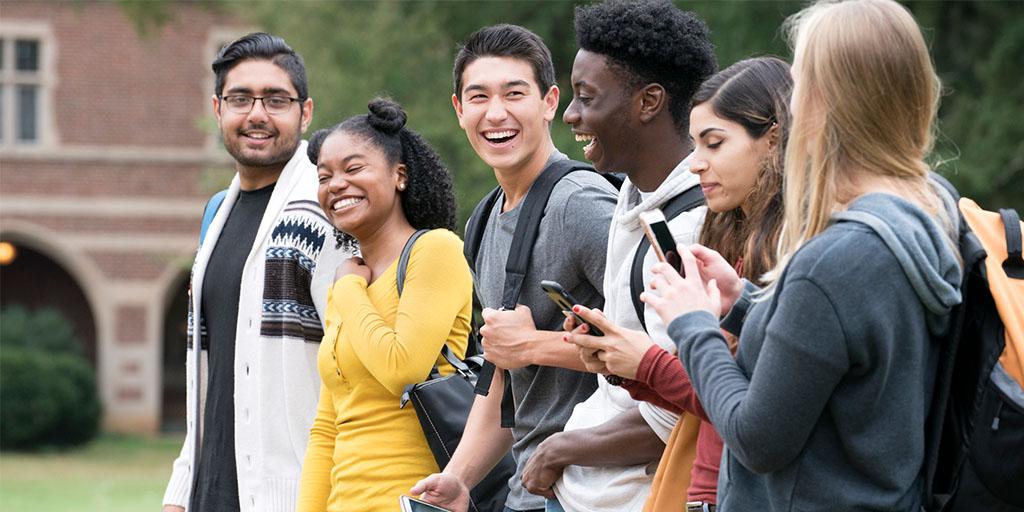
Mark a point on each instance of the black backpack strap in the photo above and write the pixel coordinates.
(1014, 263)
(476, 225)
(528, 226)
(518, 262)
(684, 202)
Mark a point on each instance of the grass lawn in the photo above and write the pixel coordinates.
(111, 474)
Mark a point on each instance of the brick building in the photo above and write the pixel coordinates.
(108, 153)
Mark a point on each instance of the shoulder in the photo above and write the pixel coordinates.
(585, 182)
(439, 239)
(583, 196)
(438, 245)
(842, 255)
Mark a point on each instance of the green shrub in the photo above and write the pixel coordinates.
(47, 389)
(43, 329)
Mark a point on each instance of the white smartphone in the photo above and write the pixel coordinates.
(414, 505)
(664, 244)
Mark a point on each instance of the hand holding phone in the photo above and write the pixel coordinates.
(664, 244)
(414, 505)
(565, 302)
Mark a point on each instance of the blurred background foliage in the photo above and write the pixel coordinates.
(356, 50)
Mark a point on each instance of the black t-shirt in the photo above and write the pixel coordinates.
(215, 487)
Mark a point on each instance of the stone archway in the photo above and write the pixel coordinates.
(172, 362)
(36, 278)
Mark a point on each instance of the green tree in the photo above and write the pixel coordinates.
(356, 50)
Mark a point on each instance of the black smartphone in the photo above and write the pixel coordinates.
(565, 301)
(414, 505)
(664, 244)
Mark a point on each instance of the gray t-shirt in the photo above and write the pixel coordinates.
(570, 249)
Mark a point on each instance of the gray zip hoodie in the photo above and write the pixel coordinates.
(824, 406)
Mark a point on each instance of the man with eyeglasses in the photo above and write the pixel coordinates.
(258, 292)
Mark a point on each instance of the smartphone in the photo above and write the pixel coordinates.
(565, 301)
(414, 505)
(664, 244)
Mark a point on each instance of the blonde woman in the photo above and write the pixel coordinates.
(824, 406)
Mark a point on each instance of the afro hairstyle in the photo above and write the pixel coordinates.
(650, 41)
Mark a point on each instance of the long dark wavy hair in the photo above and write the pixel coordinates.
(755, 94)
(428, 200)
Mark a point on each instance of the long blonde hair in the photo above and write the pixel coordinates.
(864, 105)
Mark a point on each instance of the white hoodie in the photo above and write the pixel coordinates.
(625, 488)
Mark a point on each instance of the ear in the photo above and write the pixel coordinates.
(773, 136)
(458, 109)
(651, 100)
(401, 177)
(215, 101)
(306, 114)
(551, 103)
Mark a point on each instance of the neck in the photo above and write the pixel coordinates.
(255, 178)
(516, 182)
(657, 159)
(379, 248)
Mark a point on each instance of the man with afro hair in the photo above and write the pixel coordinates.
(633, 80)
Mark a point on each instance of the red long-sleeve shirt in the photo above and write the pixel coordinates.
(662, 381)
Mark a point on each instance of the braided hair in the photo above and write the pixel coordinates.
(428, 200)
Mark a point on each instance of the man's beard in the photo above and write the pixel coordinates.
(281, 153)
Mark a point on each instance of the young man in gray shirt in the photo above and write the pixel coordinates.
(505, 99)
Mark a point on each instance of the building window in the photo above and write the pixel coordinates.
(21, 90)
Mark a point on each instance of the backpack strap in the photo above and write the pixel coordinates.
(528, 226)
(683, 202)
(523, 239)
(1014, 263)
(209, 212)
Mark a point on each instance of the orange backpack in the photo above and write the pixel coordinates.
(975, 450)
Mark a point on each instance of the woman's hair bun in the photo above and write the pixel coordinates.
(386, 115)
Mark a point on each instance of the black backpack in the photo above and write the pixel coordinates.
(974, 452)
(523, 240)
(518, 262)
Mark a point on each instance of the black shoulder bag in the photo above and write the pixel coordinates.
(442, 405)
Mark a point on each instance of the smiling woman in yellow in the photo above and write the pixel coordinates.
(379, 183)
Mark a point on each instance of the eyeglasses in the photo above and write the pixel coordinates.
(274, 105)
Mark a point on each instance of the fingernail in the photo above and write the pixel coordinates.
(575, 309)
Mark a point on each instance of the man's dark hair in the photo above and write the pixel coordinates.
(263, 46)
(428, 200)
(648, 42)
(506, 40)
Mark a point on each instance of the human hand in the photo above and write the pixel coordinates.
(544, 467)
(354, 265)
(569, 324)
(506, 336)
(713, 266)
(618, 352)
(443, 490)
(173, 508)
(677, 295)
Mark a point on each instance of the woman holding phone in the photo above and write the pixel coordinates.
(824, 406)
(379, 183)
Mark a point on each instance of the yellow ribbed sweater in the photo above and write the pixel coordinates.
(364, 451)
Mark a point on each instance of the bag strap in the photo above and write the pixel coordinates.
(518, 262)
(528, 226)
(1014, 263)
(209, 212)
(403, 268)
(683, 202)
(403, 260)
